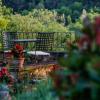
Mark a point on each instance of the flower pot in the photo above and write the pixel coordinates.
(9, 61)
(9, 58)
(21, 62)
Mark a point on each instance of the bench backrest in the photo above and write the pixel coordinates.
(48, 41)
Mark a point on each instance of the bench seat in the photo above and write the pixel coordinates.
(38, 53)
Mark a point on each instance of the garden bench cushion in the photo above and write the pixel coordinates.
(7, 51)
(38, 53)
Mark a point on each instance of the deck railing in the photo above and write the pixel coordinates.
(45, 41)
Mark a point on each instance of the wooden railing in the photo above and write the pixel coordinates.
(53, 41)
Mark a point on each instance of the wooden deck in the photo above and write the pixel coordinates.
(40, 71)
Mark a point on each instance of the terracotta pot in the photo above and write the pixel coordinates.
(9, 61)
(21, 62)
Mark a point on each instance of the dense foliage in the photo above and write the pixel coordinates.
(60, 16)
(62, 13)
(36, 21)
(81, 78)
(68, 7)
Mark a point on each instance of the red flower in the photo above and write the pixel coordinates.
(17, 51)
(55, 67)
(4, 71)
(97, 30)
(5, 75)
(97, 21)
(18, 47)
(1, 74)
(98, 38)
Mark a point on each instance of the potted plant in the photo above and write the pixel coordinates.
(6, 81)
(9, 58)
(18, 54)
